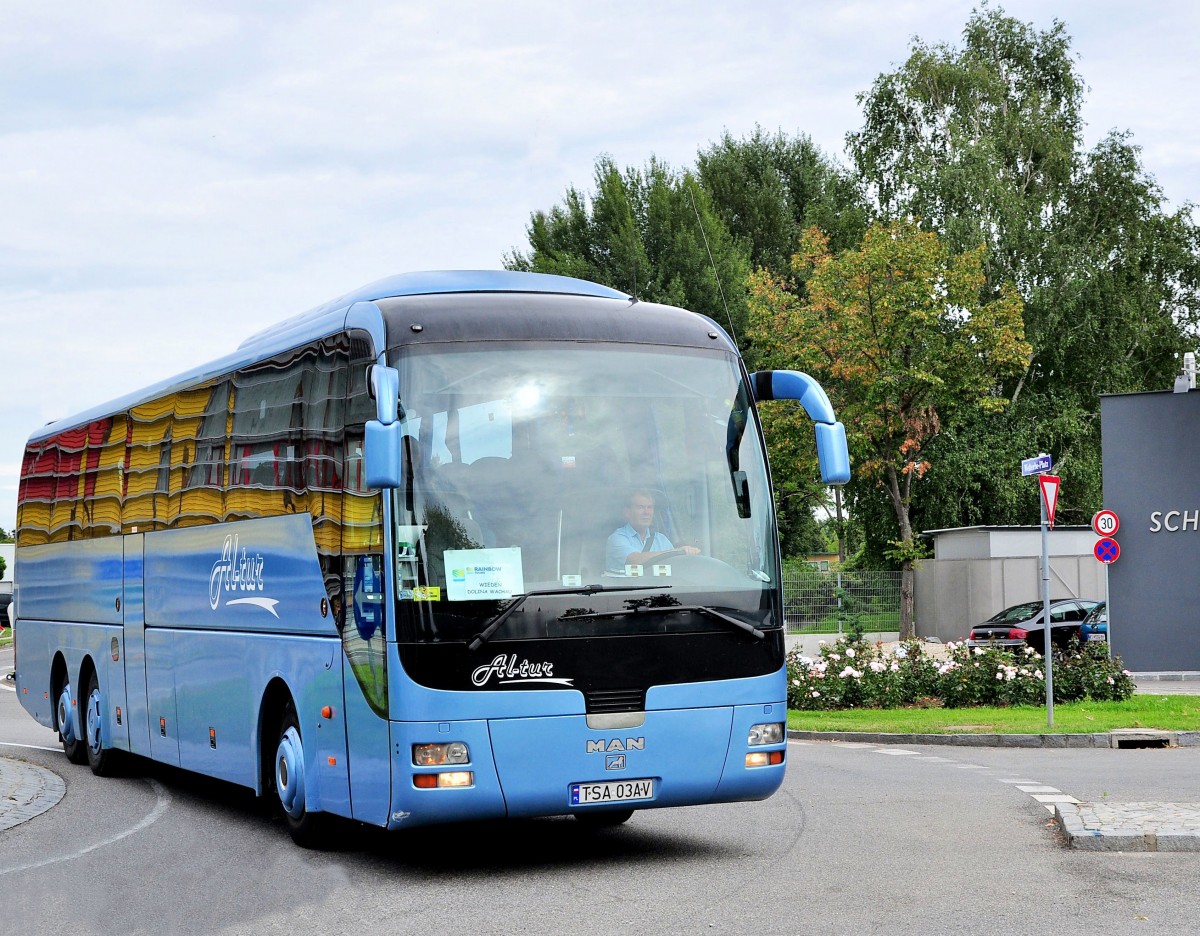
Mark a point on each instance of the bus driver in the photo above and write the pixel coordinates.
(635, 543)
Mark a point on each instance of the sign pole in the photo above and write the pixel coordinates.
(1046, 614)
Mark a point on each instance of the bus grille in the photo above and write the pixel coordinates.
(615, 700)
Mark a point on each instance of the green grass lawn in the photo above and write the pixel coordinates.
(1166, 712)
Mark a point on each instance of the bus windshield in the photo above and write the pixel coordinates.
(579, 489)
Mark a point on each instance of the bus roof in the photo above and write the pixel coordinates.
(434, 282)
(331, 317)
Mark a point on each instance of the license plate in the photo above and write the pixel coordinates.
(613, 791)
(1097, 637)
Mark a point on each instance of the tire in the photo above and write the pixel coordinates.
(603, 819)
(102, 760)
(73, 747)
(305, 828)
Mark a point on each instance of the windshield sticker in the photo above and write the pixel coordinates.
(483, 574)
(634, 571)
(661, 570)
(572, 581)
(427, 593)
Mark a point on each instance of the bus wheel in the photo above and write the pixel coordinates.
(603, 819)
(102, 760)
(72, 746)
(289, 782)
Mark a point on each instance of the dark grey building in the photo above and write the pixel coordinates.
(1151, 447)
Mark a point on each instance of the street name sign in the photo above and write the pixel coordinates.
(1032, 466)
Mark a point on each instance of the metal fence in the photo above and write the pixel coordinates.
(817, 602)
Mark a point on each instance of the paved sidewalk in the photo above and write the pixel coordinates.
(26, 791)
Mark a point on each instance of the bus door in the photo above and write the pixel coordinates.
(133, 613)
(363, 616)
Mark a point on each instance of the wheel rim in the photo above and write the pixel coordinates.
(289, 773)
(66, 724)
(93, 721)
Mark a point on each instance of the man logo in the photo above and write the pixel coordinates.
(614, 762)
(601, 746)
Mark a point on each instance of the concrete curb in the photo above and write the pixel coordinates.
(1140, 827)
(26, 791)
(1104, 739)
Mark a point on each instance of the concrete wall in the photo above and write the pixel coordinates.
(953, 595)
(1151, 444)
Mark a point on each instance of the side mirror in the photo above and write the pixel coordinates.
(382, 455)
(384, 387)
(832, 453)
(383, 437)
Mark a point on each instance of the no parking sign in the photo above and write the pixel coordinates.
(1107, 550)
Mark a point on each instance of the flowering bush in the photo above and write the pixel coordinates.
(855, 674)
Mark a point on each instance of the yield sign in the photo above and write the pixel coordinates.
(1049, 485)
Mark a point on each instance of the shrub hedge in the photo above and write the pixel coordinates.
(857, 674)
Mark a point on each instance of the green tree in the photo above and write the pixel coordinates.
(652, 233)
(899, 335)
(769, 188)
(984, 143)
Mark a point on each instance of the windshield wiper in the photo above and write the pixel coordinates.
(517, 600)
(671, 609)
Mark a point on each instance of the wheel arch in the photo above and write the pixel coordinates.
(58, 675)
(275, 698)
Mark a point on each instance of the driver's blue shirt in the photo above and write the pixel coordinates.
(625, 541)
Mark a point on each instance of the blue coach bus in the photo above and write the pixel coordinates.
(364, 564)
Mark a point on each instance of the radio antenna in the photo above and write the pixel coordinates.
(712, 263)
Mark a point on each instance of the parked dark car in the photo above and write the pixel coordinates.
(1095, 625)
(1023, 625)
(5, 601)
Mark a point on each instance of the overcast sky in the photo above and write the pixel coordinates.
(175, 176)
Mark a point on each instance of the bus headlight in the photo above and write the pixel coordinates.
(435, 755)
(765, 734)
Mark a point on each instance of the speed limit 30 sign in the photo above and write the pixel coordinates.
(1105, 523)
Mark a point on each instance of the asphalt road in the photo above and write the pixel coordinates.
(862, 839)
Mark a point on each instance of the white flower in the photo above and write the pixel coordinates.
(877, 667)
(895, 667)
(835, 657)
(821, 643)
(816, 695)
(901, 652)
(850, 652)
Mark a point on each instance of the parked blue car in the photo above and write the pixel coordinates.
(1095, 625)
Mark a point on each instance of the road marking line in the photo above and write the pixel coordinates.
(31, 747)
(160, 807)
(1060, 798)
(972, 767)
(1037, 788)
